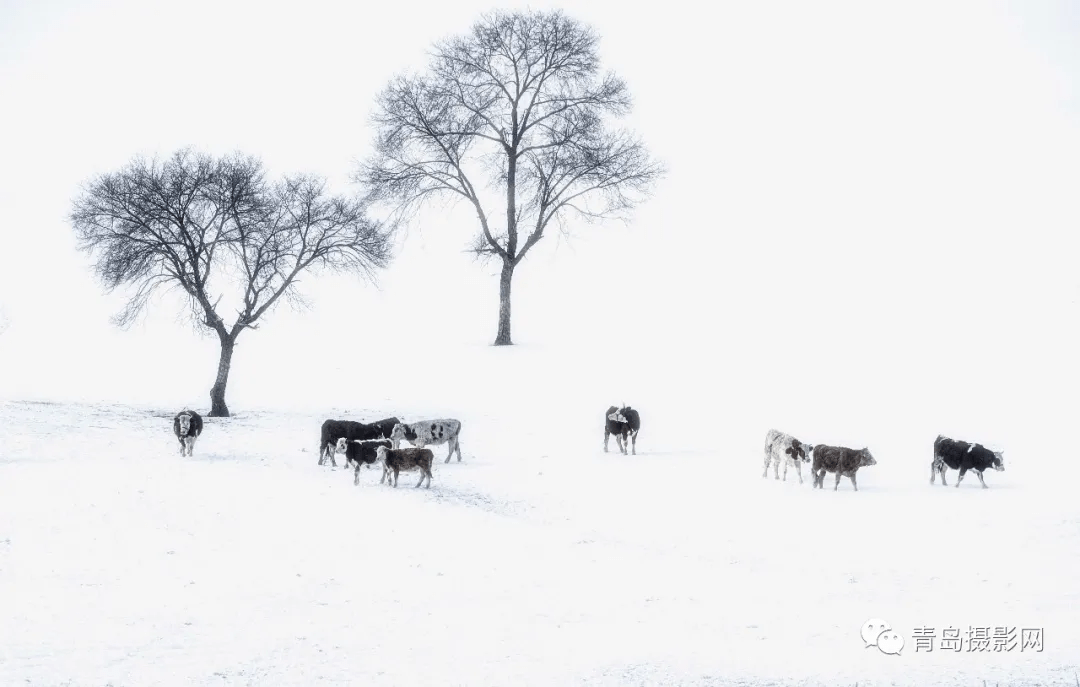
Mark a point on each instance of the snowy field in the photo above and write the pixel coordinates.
(538, 560)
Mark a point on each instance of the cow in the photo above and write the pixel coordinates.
(187, 426)
(962, 456)
(362, 453)
(366, 431)
(786, 449)
(430, 433)
(842, 461)
(624, 423)
(333, 431)
(395, 460)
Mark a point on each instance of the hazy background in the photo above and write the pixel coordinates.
(874, 200)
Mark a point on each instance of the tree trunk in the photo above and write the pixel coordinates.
(217, 392)
(503, 337)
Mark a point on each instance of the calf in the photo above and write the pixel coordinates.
(430, 433)
(962, 456)
(624, 423)
(395, 460)
(187, 426)
(842, 461)
(786, 449)
(333, 431)
(362, 453)
(366, 431)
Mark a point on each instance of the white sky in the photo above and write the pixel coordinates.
(872, 193)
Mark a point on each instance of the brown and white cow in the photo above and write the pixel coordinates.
(187, 426)
(397, 460)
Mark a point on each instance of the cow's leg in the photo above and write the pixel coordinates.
(776, 466)
(634, 439)
(356, 475)
(933, 472)
(383, 478)
(607, 435)
(397, 472)
(428, 471)
(978, 473)
(191, 446)
(837, 485)
(798, 471)
(962, 471)
(768, 459)
(785, 469)
(944, 469)
(853, 482)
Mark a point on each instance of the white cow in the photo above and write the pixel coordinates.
(429, 433)
(786, 449)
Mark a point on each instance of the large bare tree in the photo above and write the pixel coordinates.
(214, 227)
(519, 105)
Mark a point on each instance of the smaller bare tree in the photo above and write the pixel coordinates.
(518, 104)
(208, 226)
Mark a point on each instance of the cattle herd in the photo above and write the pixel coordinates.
(369, 443)
(785, 449)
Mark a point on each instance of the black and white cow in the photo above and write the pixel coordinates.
(842, 461)
(430, 433)
(396, 460)
(962, 456)
(334, 431)
(624, 423)
(362, 453)
(786, 449)
(366, 431)
(187, 426)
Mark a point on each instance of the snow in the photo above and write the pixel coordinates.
(538, 559)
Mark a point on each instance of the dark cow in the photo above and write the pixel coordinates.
(842, 461)
(349, 430)
(430, 433)
(395, 460)
(187, 426)
(624, 423)
(962, 456)
(362, 453)
(786, 449)
(367, 431)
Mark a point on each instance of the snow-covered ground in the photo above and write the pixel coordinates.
(538, 560)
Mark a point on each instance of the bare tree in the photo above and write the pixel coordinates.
(214, 226)
(519, 104)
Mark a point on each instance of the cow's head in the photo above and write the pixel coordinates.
(380, 454)
(397, 433)
(865, 458)
(342, 444)
(617, 414)
(999, 461)
(185, 422)
(799, 450)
